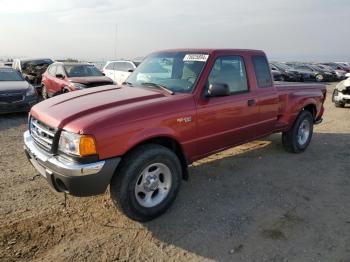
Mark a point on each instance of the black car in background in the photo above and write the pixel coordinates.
(277, 75)
(340, 74)
(308, 72)
(329, 75)
(287, 73)
(16, 94)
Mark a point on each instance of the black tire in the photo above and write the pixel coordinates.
(123, 183)
(44, 92)
(290, 139)
(337, 103)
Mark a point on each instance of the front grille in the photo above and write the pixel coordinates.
(42, 134)
(11, 97)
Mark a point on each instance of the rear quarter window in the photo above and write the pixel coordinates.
(262, 71)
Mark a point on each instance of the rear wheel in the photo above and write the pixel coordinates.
(319, 78)
(147, 182)
(297, 139)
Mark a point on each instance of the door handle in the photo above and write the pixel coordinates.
(251, 102)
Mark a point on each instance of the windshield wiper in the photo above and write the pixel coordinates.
(159, 86)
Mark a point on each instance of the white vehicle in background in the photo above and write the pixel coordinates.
(341, 93)
(119, 71)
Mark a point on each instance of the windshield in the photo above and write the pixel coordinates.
(8, 74)
(176, 71)
(82, 70)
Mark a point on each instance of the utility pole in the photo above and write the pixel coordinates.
(115, 41)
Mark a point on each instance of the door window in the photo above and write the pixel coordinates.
(229, 70)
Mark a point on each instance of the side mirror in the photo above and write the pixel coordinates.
(103, 74)
(131, 70)
(60, 76)
(218, 89)
(347, 75)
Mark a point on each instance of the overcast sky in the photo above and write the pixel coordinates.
(85, 29)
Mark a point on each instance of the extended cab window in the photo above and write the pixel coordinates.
(229, 70)
(262, 71)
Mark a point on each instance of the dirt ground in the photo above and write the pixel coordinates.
(255, 202)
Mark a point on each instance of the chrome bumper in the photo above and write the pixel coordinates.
(70, 177)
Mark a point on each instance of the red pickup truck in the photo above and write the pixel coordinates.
(177, 107)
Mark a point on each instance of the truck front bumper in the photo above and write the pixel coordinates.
(71, 177)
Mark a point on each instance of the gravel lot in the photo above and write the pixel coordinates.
(255, 202)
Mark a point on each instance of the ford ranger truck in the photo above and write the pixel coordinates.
(178, 106)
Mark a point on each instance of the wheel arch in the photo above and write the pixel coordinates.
(170, 143)
(312, 109)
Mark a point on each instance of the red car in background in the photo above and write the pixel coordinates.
(66, 77)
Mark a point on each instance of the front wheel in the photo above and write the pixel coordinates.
(297, 139)
(147, 182)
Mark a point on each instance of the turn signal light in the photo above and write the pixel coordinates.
(87, 145)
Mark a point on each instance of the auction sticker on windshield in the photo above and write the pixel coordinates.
(196, 57)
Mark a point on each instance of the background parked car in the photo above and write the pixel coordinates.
(340, 74)
(32, 69)
(312, 73)
(306, 74)
(16, 94)
(65, 77)
(119, 71)
(329, 75)
(287, 73)
(336, 66)
(277, 75)
(341, 94)
(344, 64)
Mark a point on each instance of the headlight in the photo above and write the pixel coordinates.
(78, 86)
(30, 91)
(77, 145)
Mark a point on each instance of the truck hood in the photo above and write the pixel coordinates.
(93, 103)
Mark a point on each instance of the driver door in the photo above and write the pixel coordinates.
(228, 120)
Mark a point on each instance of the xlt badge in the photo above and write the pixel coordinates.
(186, 119)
